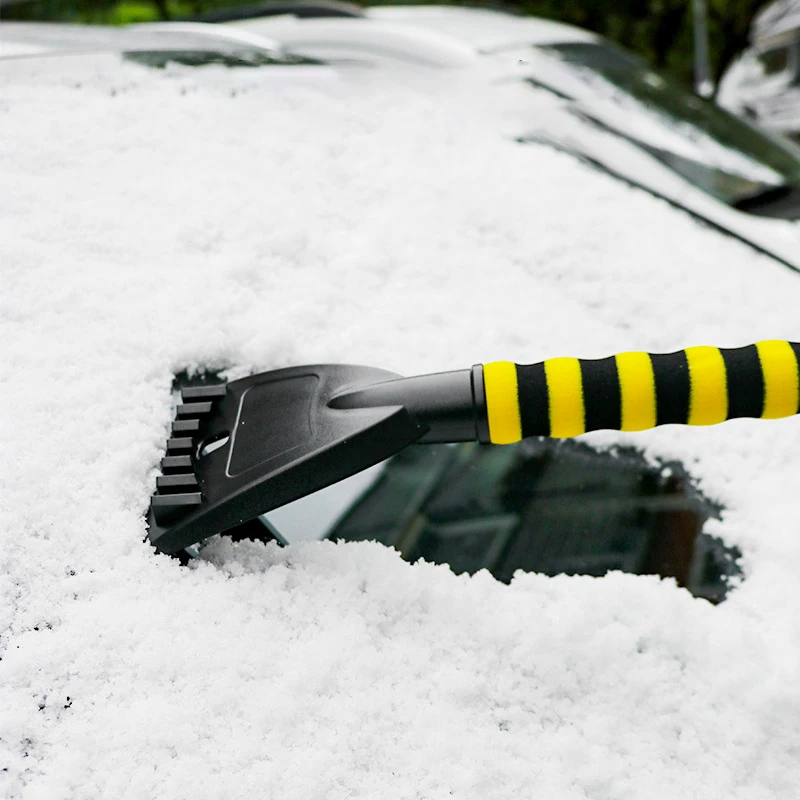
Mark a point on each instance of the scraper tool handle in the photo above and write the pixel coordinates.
(563, 397)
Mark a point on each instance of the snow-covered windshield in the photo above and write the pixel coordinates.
(157, 220)
(720, 154)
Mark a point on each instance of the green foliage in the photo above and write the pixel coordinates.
(131, 12)
(109, 12)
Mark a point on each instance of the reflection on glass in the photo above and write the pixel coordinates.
(722, 155)
(542, 506)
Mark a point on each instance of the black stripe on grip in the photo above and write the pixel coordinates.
(796, 347)
(671, 372)
(601, 394)
(534, 402)
(745, 382)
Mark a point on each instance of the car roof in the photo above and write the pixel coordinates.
(483, 28)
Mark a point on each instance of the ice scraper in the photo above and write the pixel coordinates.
(240, 449)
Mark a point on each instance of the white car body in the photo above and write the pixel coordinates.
(501, 49)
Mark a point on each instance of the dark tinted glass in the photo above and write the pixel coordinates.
(742, 162)
(544, 506)
(774, 61)
(159, 59)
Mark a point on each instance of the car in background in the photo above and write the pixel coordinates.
(763, 84)
(576, 92)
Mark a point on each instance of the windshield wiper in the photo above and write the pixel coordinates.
(772, 201)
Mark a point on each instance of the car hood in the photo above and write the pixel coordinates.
(539, 100)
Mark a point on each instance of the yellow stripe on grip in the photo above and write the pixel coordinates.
(781, 380)
(637, 386)
(502, 402)
(708, 394)
(565, 392)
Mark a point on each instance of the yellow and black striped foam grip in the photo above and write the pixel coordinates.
(563, 397)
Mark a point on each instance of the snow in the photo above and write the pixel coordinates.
(153, 221)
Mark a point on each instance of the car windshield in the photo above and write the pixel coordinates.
(542, 505)
(244, 57)
(715, 151)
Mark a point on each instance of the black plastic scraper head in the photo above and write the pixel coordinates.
(243, 448)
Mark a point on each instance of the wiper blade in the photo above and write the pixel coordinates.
(768, 199)
(548, 88)
(761, 199)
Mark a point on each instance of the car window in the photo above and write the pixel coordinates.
(715, 151)
(542, 505)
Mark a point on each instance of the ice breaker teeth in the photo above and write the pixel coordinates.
(194, 409)
(179, 444)
(169, 507)
(174, 483)
(186, 426)
(215, 392)
(172, 464)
